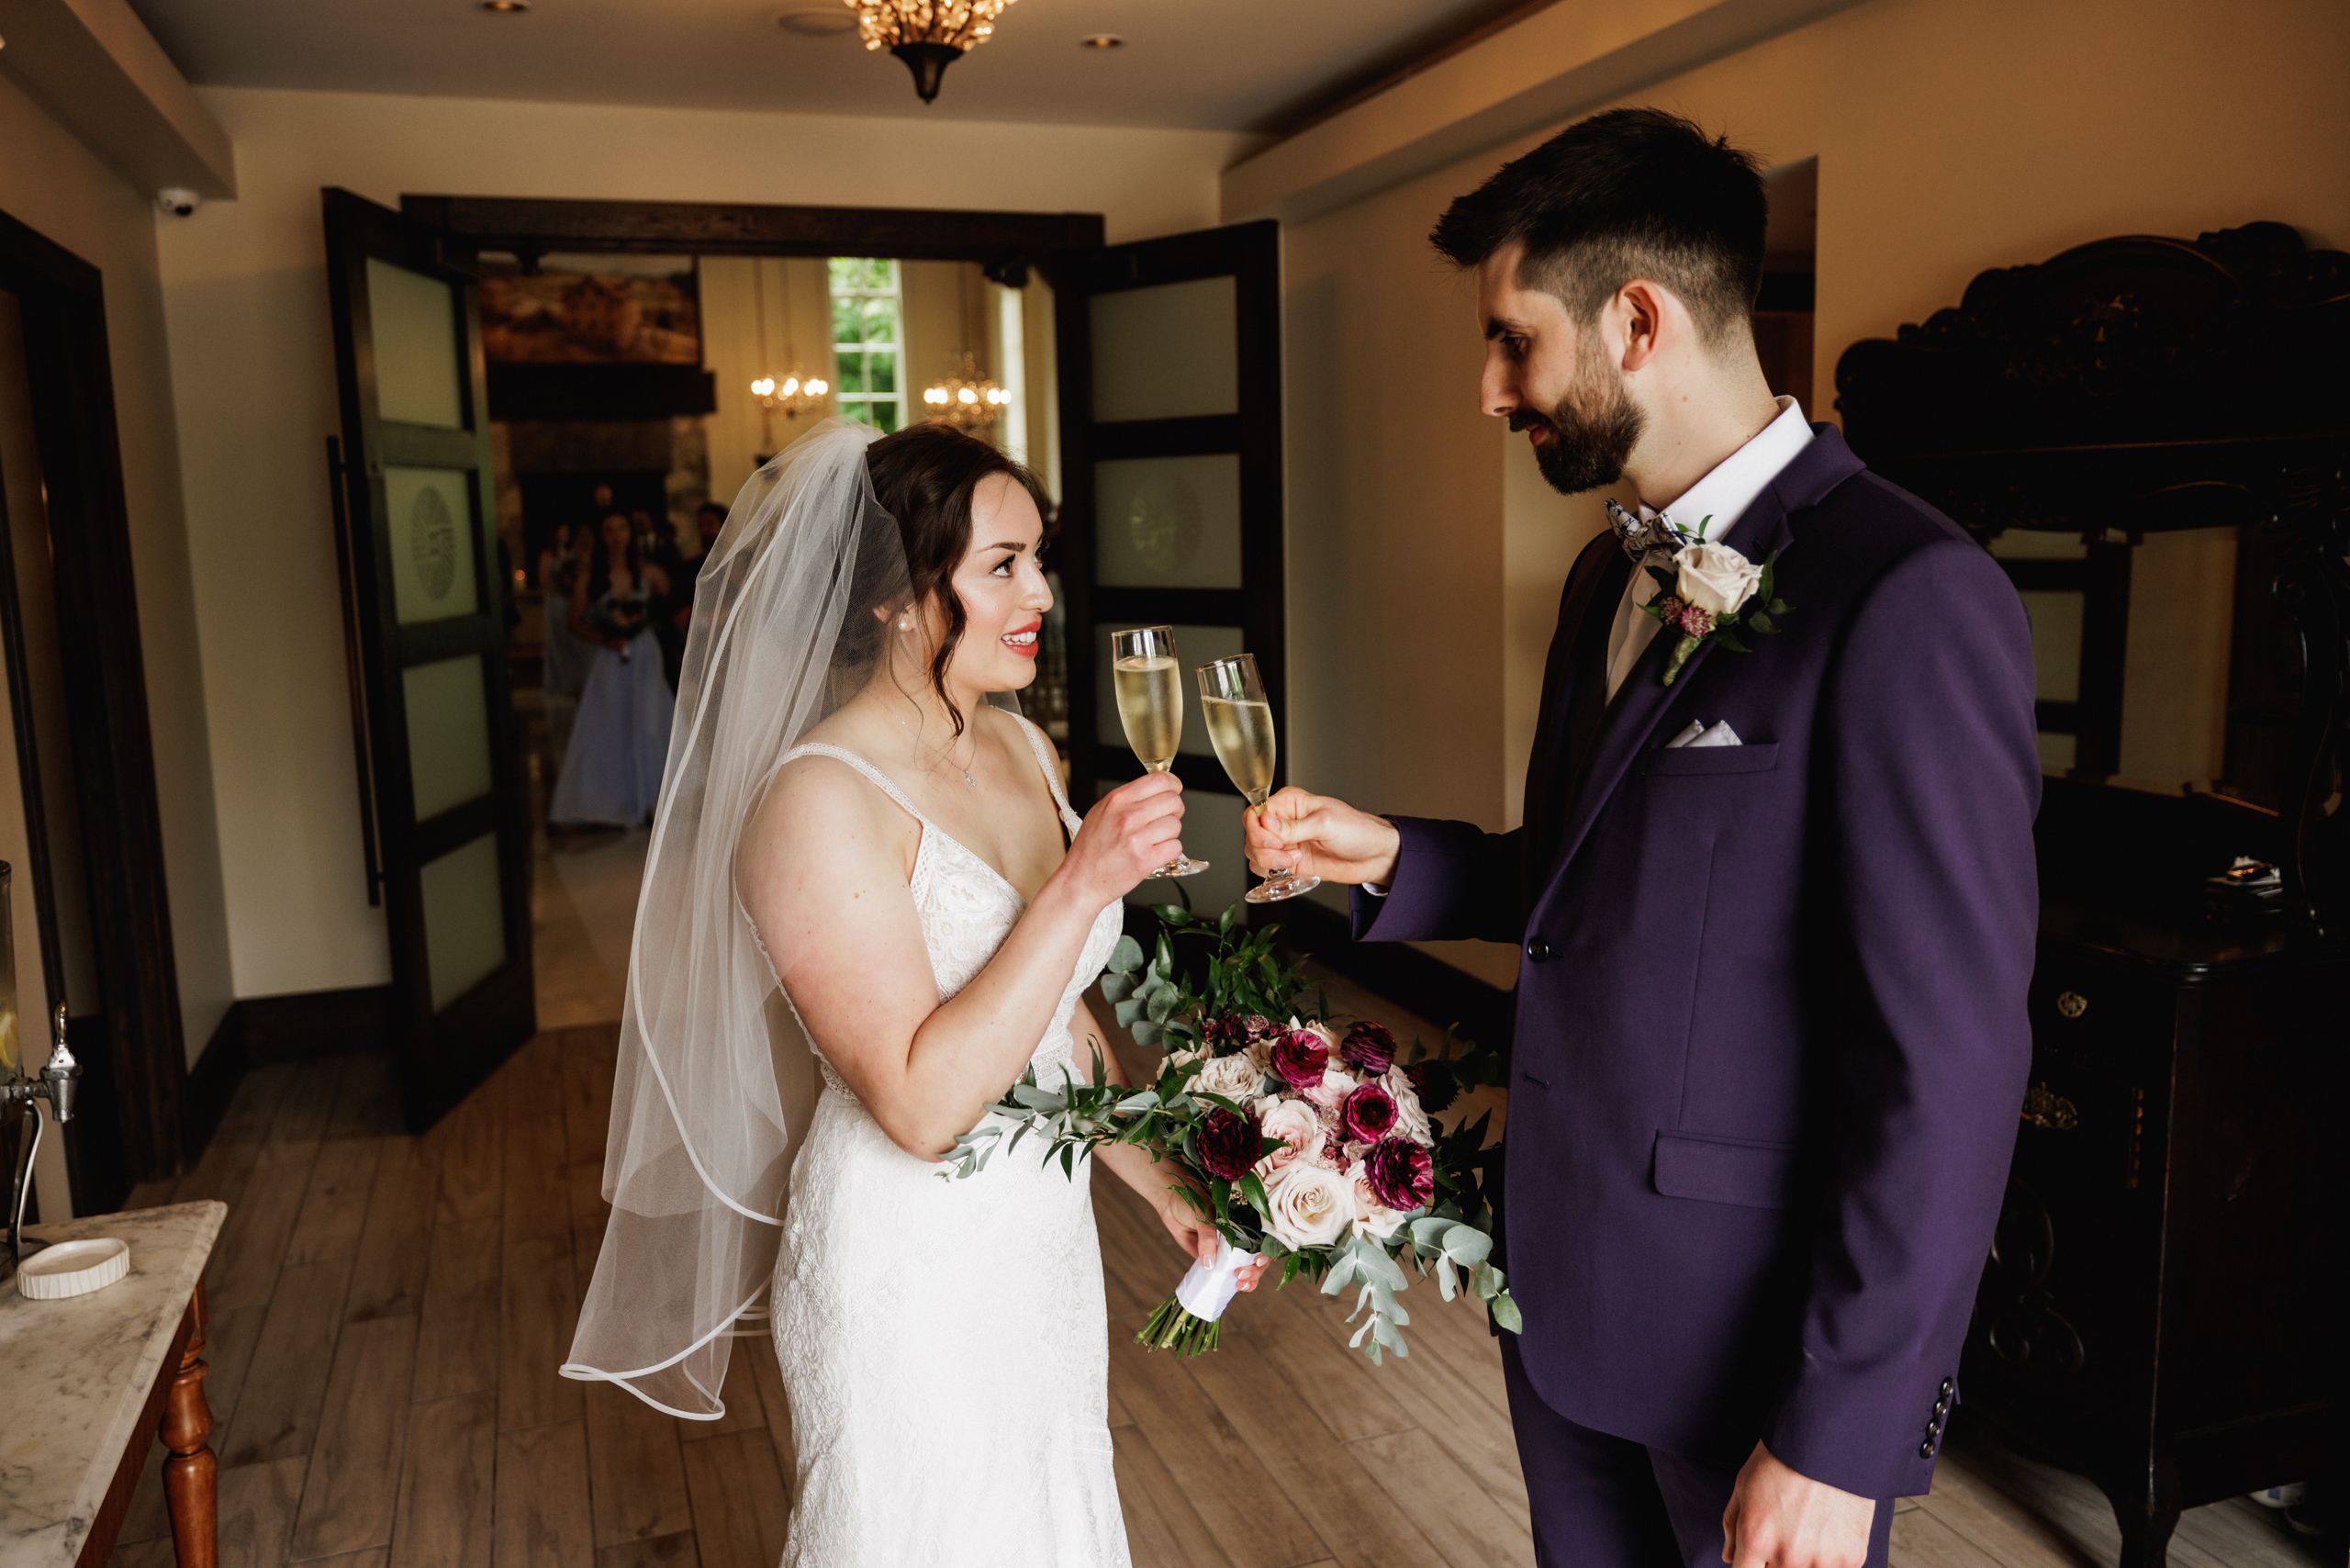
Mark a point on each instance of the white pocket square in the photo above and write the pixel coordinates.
(1697, 734)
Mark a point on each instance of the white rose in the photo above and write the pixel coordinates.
(1235, 1078)
(1296, 1124)
(1411, 1119)
(1715, 578)
(1312, 1205)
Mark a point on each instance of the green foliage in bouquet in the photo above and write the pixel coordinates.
(1246, 983)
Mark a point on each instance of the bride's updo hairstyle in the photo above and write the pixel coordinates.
(924, 478)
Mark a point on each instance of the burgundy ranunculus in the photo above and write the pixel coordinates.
(1255, 1027)
(1212, 1036)
(1401, 1174)
(1433, 1082)
(1299, 1056)
(1226, 1144)
(1368, 1115)
(1369, 1049)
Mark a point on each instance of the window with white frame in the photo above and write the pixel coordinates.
(868, 342)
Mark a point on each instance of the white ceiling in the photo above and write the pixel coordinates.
(1203, 64)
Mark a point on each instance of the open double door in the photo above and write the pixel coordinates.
(1169, 367)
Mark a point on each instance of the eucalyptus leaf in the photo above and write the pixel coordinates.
(1161, 1006)
(1467, 1247)
(1146, 1033)
(1504, 1313)
(1126, 956)
(1116, 987)
(1126, 1012)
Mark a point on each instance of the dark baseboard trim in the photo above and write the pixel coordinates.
(212, 1082)
(1403, 975)
(302, 1027)
(309, 1025)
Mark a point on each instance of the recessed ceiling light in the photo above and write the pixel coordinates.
(830, 22)
(1102, 41)
(506, 7)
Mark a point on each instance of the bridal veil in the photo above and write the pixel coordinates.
(716, 1083)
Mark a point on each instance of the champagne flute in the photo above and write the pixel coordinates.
(1151, 705)
(1240, 722)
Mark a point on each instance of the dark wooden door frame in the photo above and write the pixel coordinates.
(1004, 244)
(131, 1125)
(502, 1006)
(1254, 432)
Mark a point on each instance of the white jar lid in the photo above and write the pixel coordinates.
(73, 1268)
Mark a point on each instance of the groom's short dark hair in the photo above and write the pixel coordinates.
(1628, 193)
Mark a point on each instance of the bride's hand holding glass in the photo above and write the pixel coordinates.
(1130, 833)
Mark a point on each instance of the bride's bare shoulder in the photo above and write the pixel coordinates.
(823, 804)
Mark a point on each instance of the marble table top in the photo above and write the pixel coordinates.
(75, 1374)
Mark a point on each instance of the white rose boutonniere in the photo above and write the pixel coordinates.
(1713, 594)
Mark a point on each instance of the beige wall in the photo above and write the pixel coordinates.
(51, 183)
(1951, 138)
(245, 294)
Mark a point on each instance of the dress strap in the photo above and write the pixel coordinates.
(1049, 760)
(881, 781)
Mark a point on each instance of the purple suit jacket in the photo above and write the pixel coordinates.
(1771, 1030)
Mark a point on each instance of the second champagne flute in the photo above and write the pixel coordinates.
(1151, 705)
(1240, 722)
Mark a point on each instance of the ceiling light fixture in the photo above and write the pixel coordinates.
(506, 7)
(970, 402)
(928, 35)
(1102, 41)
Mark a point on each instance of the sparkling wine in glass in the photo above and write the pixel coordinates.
(1240, 722)
(1150, 704)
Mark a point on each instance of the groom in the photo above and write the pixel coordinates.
(1775, 917)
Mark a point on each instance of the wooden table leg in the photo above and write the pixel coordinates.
(191, 1477)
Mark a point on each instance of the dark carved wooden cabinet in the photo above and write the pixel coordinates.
(2151, 437)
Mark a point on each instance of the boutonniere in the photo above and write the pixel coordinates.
(1710, 593)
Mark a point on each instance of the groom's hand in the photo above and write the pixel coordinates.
(1784, 1519)
(1318, 836)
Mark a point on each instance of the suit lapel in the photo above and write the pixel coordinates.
(1580, 600)
(1634, 716)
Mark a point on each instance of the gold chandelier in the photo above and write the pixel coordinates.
(928, 35)
(970, 401)
(794, 394)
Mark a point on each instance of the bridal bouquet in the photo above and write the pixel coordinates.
(1314, 1145)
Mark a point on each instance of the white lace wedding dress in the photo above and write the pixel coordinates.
(945, 1344)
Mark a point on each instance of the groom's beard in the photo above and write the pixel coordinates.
(1593, 430)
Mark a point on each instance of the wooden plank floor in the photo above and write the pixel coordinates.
(387, 1314)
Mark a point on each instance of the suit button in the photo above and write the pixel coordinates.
(1947, 1386)
(1926, 1449)
(1941, 1408)
(1538, 950)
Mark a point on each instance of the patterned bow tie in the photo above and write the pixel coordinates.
(1661, 536)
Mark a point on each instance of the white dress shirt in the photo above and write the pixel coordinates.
(1724, 495)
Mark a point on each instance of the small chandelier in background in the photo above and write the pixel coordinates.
(795, 394)
(928, 35)
(968, 401)
(791, 396)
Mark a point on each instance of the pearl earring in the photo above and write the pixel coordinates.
(905, 622)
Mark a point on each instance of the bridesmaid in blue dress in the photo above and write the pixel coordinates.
(611, 768)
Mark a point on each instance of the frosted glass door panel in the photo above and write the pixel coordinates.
(417, 370)
(447, 733)
(432, 517)
(1168, 523)
(1168, 352)
(465, 922)
(1194, 647)
(2055, 617)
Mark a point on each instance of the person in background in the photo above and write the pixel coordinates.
(612, 768)
(657, 543)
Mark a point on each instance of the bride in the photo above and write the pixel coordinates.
(868, 908)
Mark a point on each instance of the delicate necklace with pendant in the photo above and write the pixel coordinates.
(969, 782)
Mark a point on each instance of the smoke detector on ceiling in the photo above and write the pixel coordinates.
(830, 22)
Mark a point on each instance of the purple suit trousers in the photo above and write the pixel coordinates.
(1771, 1032)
